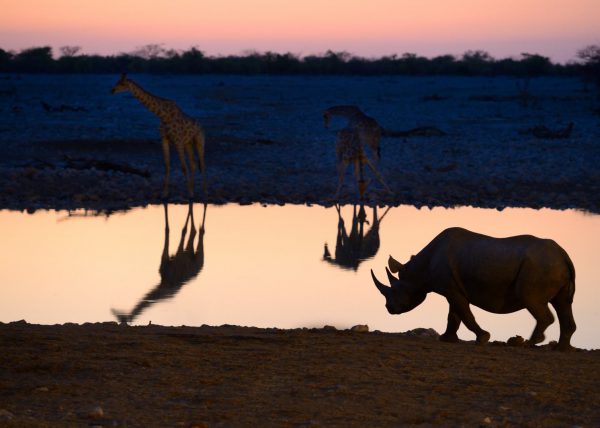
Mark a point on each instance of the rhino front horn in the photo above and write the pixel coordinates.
(383, 289)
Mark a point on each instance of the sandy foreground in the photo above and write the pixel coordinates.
(115, 375)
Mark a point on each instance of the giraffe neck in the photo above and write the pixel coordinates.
(155, 104)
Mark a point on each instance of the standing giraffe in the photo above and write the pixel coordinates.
(368, 130)
(176, 128)
(360, 133)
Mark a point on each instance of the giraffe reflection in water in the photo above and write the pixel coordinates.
(175, 270)
(353, 248)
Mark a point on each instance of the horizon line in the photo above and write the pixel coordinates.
(138, 51)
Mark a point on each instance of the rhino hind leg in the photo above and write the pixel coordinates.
(452, 327)
(543, 318)
(564, 311)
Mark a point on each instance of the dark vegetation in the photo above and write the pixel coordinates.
(155, 59)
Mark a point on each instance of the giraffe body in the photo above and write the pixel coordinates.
(361, 134)
(176, 129)
(366, 128)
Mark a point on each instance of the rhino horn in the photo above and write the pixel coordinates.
(383, 289)
(393, 280)
(395, 265)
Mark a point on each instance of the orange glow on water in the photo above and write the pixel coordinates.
(262, 267)
(229, 26)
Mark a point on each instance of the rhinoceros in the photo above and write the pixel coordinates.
(499, 275)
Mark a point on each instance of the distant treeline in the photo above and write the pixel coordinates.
(155, 59)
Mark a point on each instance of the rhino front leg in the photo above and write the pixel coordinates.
(460, 306)
(452, 327)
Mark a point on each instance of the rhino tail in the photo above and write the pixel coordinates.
(571, 285)
(571, 290)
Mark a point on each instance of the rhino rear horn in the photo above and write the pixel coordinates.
(383, 289)
(391, 278)
(394, 265)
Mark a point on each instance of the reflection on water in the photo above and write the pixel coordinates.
(264, 267)
(357, 246)
(176, 270)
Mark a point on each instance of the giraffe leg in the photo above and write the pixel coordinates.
(199, 140)
(189, 150)
(165, 253)
(377, 174)
(167, 159)
(184, 168)
(360, 181)
(341, 170)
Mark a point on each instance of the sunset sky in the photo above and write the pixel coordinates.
(555, 28)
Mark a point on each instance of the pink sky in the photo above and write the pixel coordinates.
(555, 28)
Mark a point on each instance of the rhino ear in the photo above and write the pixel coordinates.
(395, 265)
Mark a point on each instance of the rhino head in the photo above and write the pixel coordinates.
(401, 295)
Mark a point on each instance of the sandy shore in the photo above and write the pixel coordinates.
(115, 375)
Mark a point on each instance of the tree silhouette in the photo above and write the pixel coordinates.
(69, 51)
(154, 58)
(591, 65)
(35, 60)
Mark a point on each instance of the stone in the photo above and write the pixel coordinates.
(96, 412)
(360, 328)
(6, 415)
(515, 341)
(422, 332)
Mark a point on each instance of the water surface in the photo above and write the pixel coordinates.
(261, 266)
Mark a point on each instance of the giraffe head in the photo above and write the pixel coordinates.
(121, 85)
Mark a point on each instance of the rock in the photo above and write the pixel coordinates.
(360, 328)
(515, 341)
(42, 389)
(109, 323)
(329, 328)
(487, 420)
(96, 413)
(491, 189)
(6, 415)
(423, 332)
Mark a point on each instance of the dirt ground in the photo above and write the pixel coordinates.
(116, 375)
